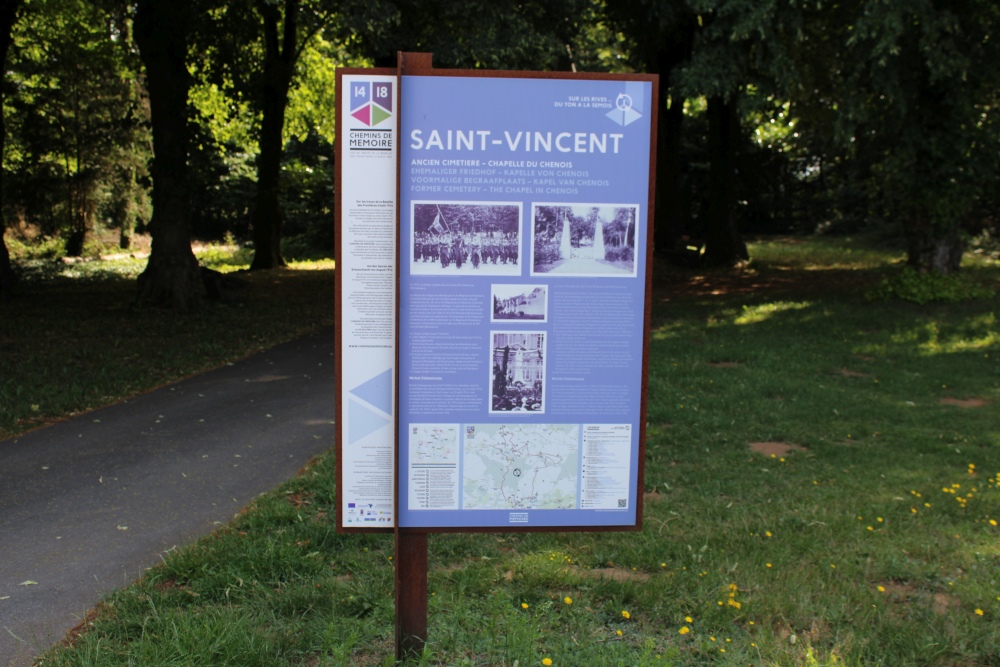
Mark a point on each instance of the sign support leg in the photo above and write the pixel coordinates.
(411, 595)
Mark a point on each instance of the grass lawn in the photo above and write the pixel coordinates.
(822, 488)
(71, 340)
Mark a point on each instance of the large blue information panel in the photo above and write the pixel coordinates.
(523, 245)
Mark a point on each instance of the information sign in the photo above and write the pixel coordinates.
(524, 209)
(366, 154)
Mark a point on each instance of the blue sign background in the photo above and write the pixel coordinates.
(477, 153)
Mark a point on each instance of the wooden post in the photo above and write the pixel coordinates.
(411, 545)
(411, 595)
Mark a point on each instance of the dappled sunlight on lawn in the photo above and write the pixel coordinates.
(818, 253)
(976, 334)
(312, 265)
(762, 312)
(979, 334)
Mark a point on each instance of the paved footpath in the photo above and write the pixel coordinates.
(87, 505)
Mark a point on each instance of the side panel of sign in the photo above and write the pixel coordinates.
(367, 155)
(523, 229)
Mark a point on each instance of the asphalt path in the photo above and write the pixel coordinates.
(88, 504)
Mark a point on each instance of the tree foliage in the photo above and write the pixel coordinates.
(774, 115)
(917, 96)
(77, 121)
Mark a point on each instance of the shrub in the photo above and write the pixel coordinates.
(924, 287)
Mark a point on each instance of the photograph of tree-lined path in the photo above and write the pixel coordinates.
(584, 240)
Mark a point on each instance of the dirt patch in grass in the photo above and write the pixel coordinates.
(671, 281)
(775, 448)
(81, 628)
(299, 499)
(619, 574)
(848, 373)
(615, 574)
(375, 654)
(166, 585)
(941, 603)
(964, 402)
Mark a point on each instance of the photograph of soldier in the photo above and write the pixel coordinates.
(584, 239)
(466, 238)
(518, 375)
(520, 302)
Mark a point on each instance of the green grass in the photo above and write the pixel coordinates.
(874, 544)
(71, 339)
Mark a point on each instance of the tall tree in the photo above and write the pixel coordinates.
(172, 276)
(77, 114)
(662, 40)
(502, 34)
(8, 16)
(281, 51)
(723, 242)
(740, 46)
(713, 49)
(288, 26)
(917, 95)
(252, 56)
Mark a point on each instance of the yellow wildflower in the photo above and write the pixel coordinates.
(684, 630)
(568, 600)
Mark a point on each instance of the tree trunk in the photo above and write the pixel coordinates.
(124, 210)
(172, 277)
(669, 52)
(279, 65)
(670, 210)
(723, 244)
(7, 277)
(8, 15)
(930, 249)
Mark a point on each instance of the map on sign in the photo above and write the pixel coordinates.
(434, 443)
(521, 466)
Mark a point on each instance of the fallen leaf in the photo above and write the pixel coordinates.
(122, 527)
(29, 582)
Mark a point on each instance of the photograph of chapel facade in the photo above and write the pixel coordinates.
(518, 376)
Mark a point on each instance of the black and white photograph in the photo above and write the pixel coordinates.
(466, 238)
(518, 377)
(513, 303)
(596, 240)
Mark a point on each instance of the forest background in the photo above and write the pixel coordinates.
(777, 116)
